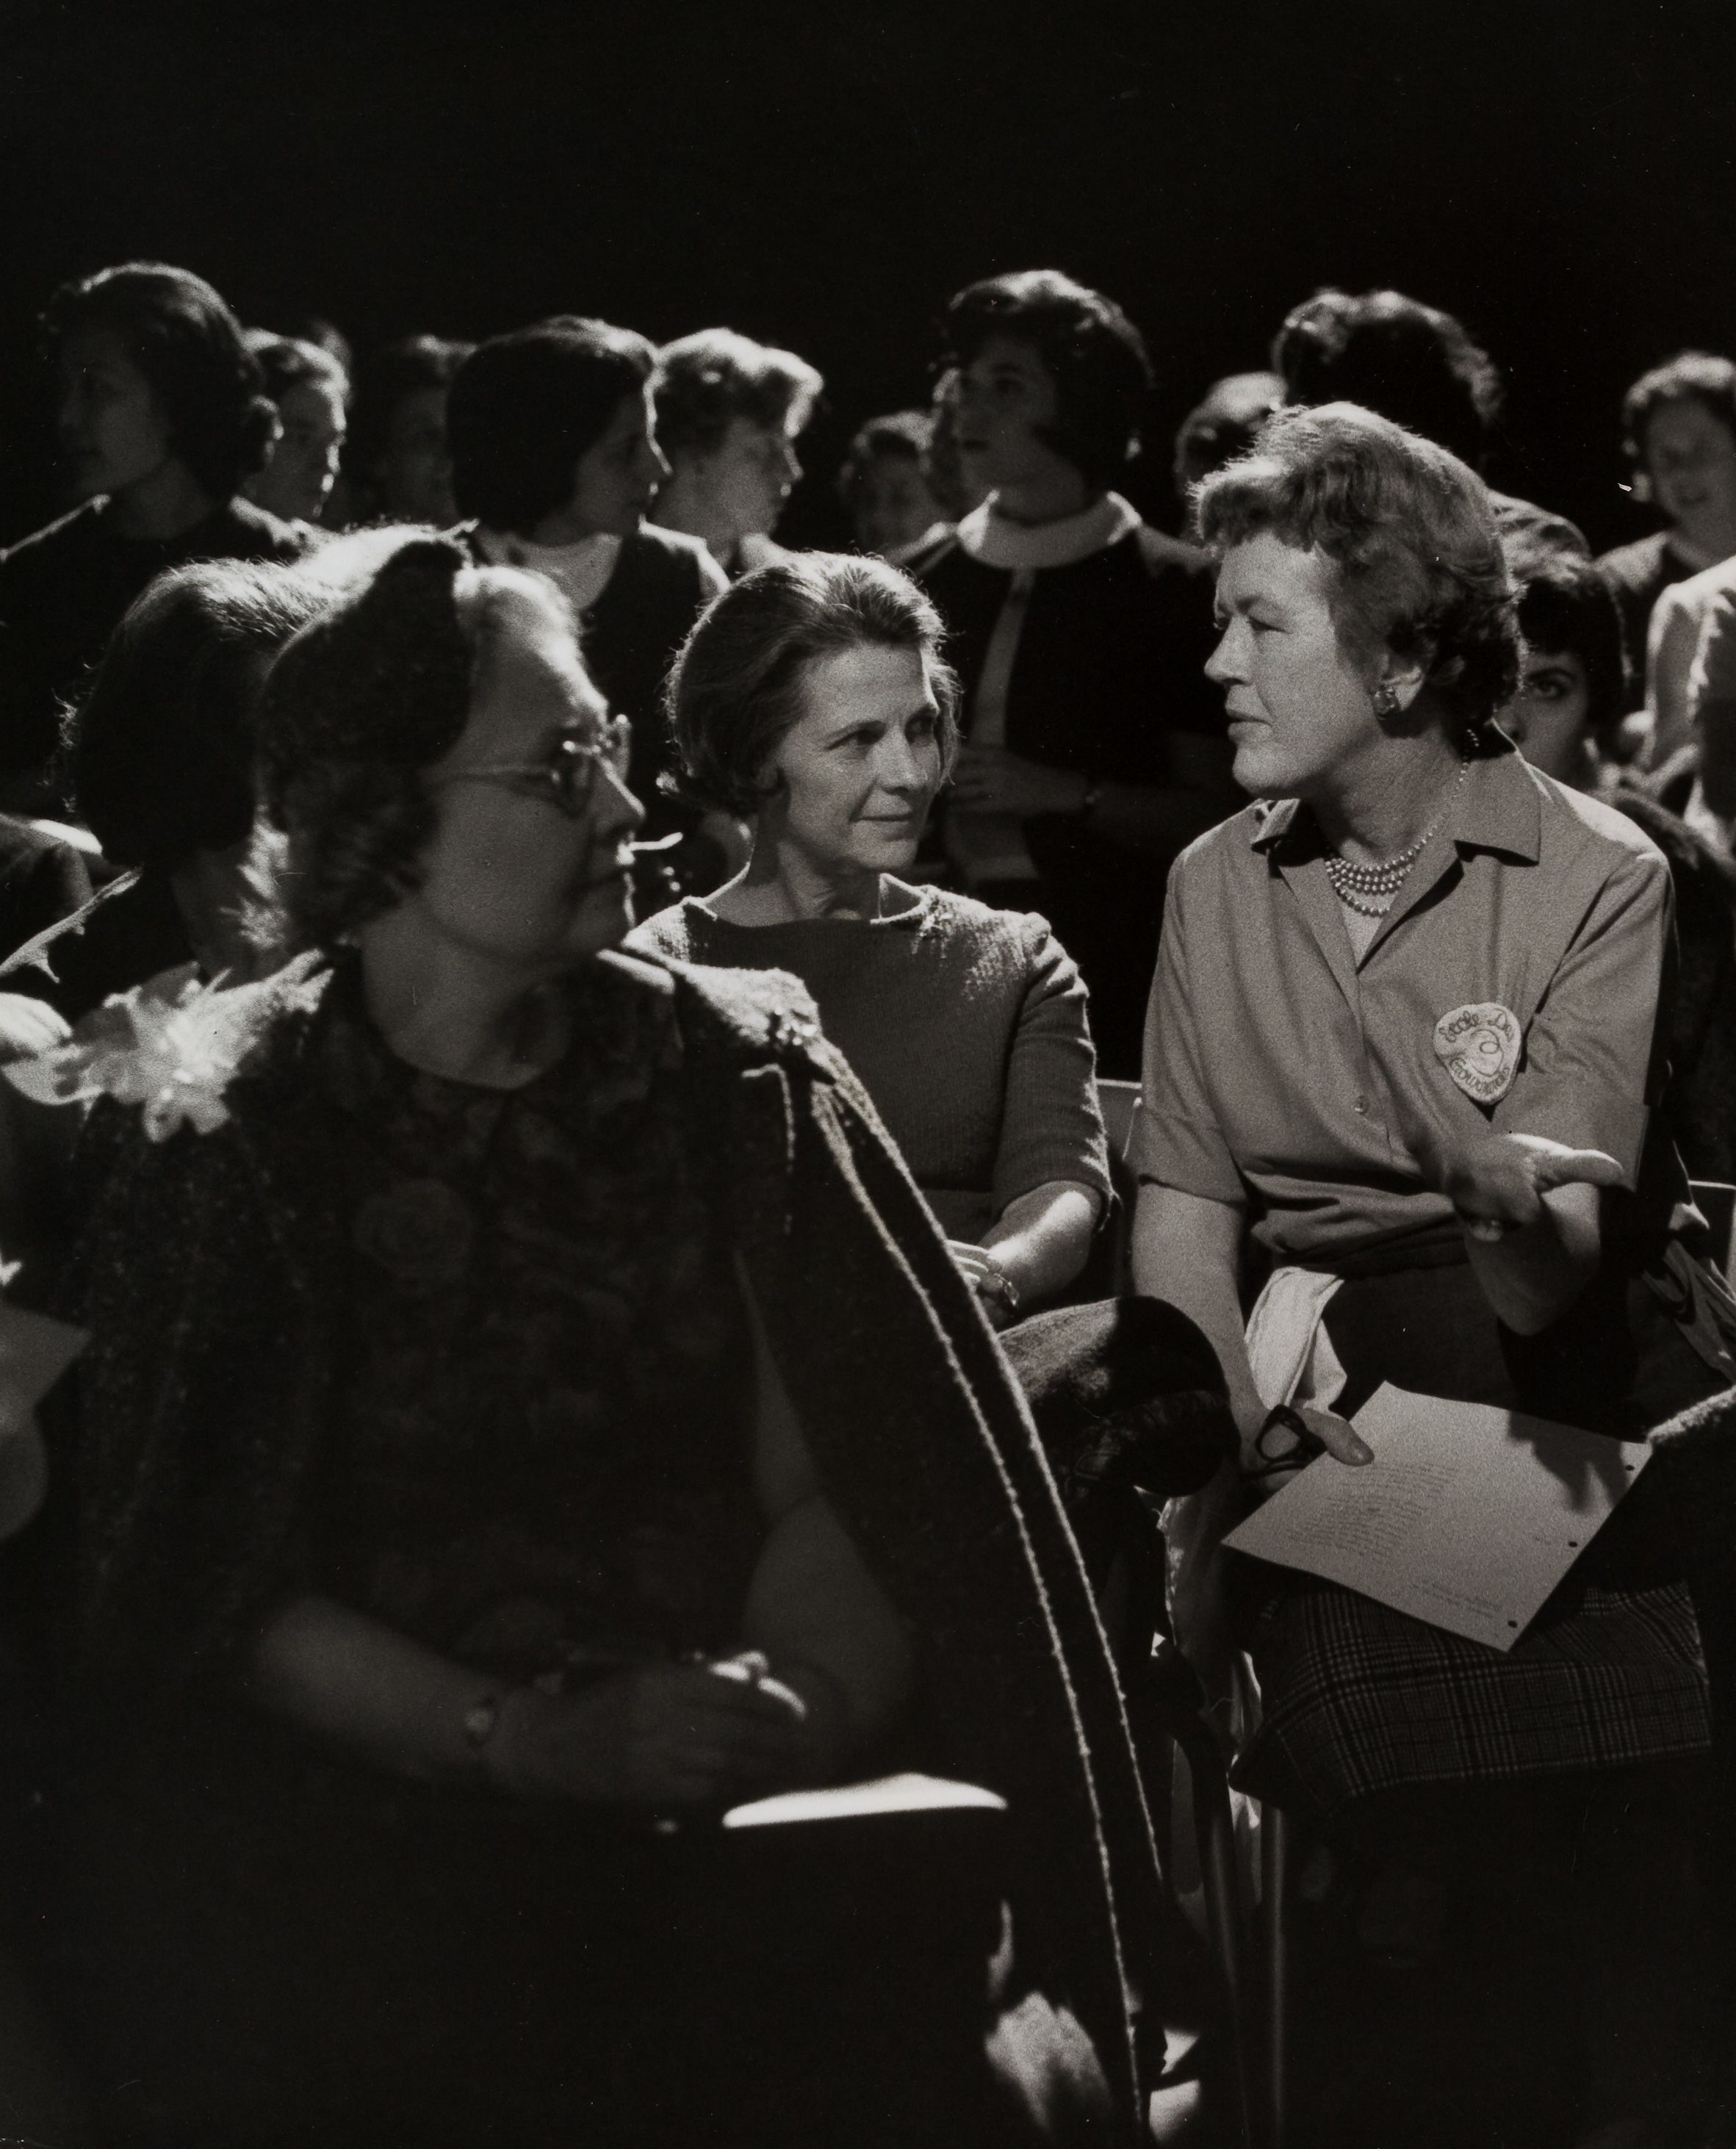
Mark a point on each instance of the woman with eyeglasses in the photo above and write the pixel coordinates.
(523, 1384)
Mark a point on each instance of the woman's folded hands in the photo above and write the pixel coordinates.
(670, 1737)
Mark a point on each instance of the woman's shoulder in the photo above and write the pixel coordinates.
(674, 933)
(181, 1053)
(942, 915)
(672, 560)
(1635, 564)
(724, 1015)
(1581, 822)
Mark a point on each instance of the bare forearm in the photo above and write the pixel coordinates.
(812, 1602)
(344, 1678)
(1041, 1240)
(1186, 1251)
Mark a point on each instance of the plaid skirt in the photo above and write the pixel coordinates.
(1358, 1700)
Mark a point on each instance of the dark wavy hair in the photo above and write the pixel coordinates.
(1411, 529)
(375, 688)
(737, 684)
(523, 409)
(1691, 376)
(705, 379)
(1095, 354)
(1567, 604)
(163, 746)
(189, 346)
(1392, 353)
(287, 362)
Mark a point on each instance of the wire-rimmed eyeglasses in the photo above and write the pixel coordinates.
(567, 777)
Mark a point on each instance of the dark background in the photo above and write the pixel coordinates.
(1557, 172)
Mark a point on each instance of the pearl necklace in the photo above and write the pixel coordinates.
(1370, 891)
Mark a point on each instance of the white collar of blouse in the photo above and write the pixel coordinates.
(986, 536)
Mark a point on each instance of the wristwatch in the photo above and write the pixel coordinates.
(997, 1284)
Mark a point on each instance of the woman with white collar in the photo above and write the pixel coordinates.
(1094, 753)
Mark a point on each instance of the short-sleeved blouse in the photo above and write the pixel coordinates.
(966, 1025)
(1283, 1074)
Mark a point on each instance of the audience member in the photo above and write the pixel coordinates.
(1222, 425)
(1419, 367)
(1566, 718)
(813, 701)
(162, 420)
(729, 411)
(1678, 427)
(1679, 625)
(1094, 747)
(884, 484)
(397, 451)
(311, 391)
(1392, 353)
(473, 1465)
(163, 752)
(1712, 703)
(554, 454)
(1501, 1225)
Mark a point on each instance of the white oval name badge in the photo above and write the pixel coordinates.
(1479, 1047)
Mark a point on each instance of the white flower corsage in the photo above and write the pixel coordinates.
(171, 1046)
(1479, 1045)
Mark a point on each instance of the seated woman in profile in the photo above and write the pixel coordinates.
(472, 1466)
(812, 700)
(1504, 1230)
(161, 420)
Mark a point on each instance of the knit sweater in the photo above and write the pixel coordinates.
(965, 1025)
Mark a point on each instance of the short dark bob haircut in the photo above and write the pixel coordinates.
(739, 684)
(1412, 532)
(366, 697)
(185, 341)
(900, 435)
(1392, 353)
(163, 744)
(289, 362)
(1095, 354)
(385, 377)
(1567, 607)
(706, 380)
(525, 407)
(1691, 376)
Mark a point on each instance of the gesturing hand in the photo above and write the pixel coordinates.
(1497, 1185)
(671, 1738)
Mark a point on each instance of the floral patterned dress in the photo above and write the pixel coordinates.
(542, 1460)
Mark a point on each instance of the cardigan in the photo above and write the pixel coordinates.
(210, 1274)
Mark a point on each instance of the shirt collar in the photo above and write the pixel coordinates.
(1499, 808)
(986, 536)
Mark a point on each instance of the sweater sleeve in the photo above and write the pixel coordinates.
(1051, 1127)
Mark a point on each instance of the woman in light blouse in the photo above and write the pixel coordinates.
(1401, 1039)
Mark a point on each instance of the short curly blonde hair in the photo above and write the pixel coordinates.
(1412, 531)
